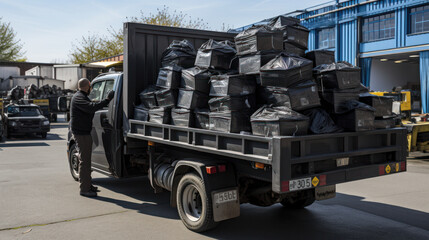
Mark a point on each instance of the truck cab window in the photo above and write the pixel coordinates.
(108, 86)
(97, 90)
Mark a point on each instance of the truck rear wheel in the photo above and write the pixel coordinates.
(193, 204)
(74, 162)
(298, 200)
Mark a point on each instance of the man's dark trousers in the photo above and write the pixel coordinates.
(84, 148)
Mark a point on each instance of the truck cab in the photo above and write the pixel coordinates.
(106, 129)
(25, 119)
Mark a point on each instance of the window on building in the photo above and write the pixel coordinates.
(378, 27)
(326, 38)
(419, 19)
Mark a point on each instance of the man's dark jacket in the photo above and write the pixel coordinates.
(82, 111)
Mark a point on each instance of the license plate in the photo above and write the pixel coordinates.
(227, 196)
(299, 184)
(342, 162)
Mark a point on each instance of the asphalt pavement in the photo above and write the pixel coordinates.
(40, 200)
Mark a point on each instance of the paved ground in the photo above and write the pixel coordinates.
(39, 200)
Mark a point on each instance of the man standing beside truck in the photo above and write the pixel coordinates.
(82, 112)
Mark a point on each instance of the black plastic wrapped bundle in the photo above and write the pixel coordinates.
(291, 49)
(190, 99)
(320, 57)
(160, 115)
(275, 96)
(278, 121)
(336, 98)
(304, 96)
(286, 70)
(233, 122)
(182, 117)
(141, 113)
(180, 53)
(341, 75)
(229, 103)
(382, 104)
(215, 55)
(281, 21)
(148, 98)
(384, 123)
(196, 79)
(202, 118)
(166, 97)
(293, 32)
(258, 38)
(251, 64)
(321, 122)
(232, 85)
(356, 116)
(169, 77)
(62, 104)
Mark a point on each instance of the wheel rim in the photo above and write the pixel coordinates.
(192, 204)
(75, 163)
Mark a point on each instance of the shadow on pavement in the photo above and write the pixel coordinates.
(29, 144)
(59, 125)
(345, 216)
(34, 137)
(139, 189)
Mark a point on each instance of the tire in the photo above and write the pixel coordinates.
(68, 117)
(44, 135)
(74, 162)
(299, 200)
(193, 204)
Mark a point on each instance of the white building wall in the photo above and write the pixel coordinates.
(5, 73)
(69, 75)
(43, 71)
(387, 75)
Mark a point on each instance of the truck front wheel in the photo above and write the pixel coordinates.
(298, 200)
(74, 162)
(193, 204)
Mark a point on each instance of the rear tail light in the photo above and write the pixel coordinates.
(211, 170)
(222, 168)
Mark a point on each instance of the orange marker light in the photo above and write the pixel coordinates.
(259, 165)
(211, 170)
(150, 143)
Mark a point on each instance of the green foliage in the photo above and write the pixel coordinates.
(10, 47)
(93, 47)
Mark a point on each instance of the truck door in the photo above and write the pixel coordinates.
(99, 160)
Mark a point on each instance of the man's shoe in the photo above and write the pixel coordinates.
(94, 188)
(88, 194)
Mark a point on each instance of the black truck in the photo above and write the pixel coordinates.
(210, 173)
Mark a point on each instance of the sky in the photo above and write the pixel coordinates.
(48, 28)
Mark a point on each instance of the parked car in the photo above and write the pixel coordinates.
(25, 119)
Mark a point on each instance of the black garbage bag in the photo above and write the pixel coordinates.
(141, 113)
(252, 63)
(182, 117)
(215, 55)
(342, 75)
(202, 118)
(286, 70)
(191, 99)
(292, 49)
(321, 122)
(281, 21)
(278, 121)
(383, 104)
(258, 38)
(180, 53)
(16, 93)
(356, 116)
(275, 96)
(230, 121)
(160, 115)
(196, 79)
(166, 97)
(148, 98)
(169, 77)
(229, 103)
(320, 57)
(304, 95)
(232, 85)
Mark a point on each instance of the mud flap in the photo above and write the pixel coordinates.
(325, 192)
(226, 204)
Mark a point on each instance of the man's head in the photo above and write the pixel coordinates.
(84, 85)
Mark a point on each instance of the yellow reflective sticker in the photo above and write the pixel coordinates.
(315, 181)
(388, 169)
(397, 167)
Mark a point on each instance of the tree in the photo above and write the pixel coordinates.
(93, 47)
(10, 47)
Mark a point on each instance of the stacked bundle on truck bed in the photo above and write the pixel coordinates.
(275, 90)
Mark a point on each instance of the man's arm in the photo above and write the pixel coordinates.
(90, 107)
